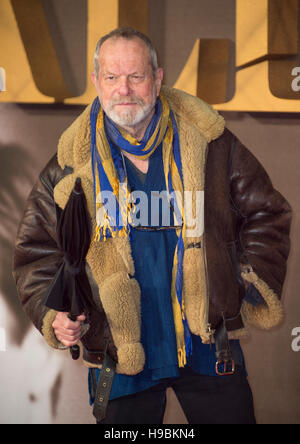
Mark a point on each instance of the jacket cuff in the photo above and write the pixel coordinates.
(264, 316)
(253, 296)
(48, 332)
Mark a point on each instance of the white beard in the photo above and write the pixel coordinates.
(130, 117)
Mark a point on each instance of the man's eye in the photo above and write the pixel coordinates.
(136, 78)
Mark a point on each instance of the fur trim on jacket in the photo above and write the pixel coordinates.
(238, 198)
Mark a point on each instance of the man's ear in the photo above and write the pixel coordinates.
(159, 79)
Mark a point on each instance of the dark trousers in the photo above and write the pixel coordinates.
(204, 399)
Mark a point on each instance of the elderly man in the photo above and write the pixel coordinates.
(173, 289)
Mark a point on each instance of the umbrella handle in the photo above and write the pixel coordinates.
(75, 352)
(75, 349)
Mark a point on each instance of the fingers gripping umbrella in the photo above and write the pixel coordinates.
(70, 290)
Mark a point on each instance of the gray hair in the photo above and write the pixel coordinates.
(129, 34)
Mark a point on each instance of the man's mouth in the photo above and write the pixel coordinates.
(127, 101)
(126, 104)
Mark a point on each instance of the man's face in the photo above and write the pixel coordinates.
(126, 85)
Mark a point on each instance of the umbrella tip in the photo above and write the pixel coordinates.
(77, 187)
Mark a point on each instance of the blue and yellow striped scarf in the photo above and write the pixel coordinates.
(109, 175)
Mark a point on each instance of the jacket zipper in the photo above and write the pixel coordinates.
(208, 328)
(207, 324)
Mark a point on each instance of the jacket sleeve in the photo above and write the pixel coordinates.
(37, 256)
(264, 225)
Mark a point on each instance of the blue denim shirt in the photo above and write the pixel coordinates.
(153, 253)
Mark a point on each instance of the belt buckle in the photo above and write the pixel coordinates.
(227, 371)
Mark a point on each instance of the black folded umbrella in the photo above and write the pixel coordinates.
(70, 290)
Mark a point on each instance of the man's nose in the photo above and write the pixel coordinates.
(124, 86)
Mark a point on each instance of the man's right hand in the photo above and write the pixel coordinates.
(67, 331)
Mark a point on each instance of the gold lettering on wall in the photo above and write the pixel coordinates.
(206, 72)
(27, 52)
(38, 45)
(283, 33)
(266, 40)
(103, 16)
(260, 42)
(267, 55)
(20, 85)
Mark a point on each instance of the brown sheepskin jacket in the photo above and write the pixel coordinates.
(245, 237)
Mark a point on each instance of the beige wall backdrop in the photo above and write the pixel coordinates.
(39, 385)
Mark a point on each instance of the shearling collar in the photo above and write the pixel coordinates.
(111, 262)
(74, 143)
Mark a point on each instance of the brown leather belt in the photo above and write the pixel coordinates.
(101, 389)
(94, 357)
(104, 387)
(225, 364)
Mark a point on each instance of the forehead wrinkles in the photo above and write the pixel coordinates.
(119, 53)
